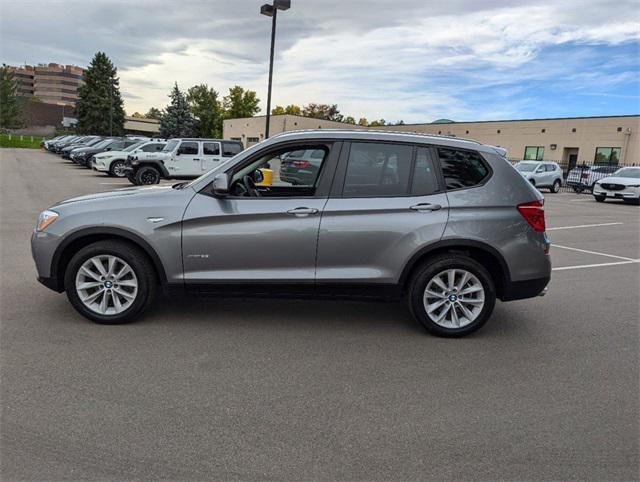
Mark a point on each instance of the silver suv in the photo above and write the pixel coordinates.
(447, 224)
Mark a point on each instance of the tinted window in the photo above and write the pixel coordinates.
(171, 145)
(188, 148)
(116, 146)
(461, 168)
(153, 147)
(550, 167)
(230, 149)
(377, 170)
(211, 148)
(424, 175)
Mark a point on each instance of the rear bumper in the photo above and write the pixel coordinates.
(520, 290)
(51, 283)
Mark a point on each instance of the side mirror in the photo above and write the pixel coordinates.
(221, 184)
(258, 176)
(108, 149)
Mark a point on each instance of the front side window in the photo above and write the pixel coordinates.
(153, 147)
(533, 153)
(607, 156)
(188, 148)
(282, 173)
(377, 170)
(462, 168)
(131, 145)
(211, 148)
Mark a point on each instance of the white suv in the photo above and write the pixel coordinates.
(114, 162)
(541, 174)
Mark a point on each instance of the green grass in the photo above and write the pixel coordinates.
(24, 142)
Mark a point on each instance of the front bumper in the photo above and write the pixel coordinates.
(43, 248)
(99, 167)
(628, 193)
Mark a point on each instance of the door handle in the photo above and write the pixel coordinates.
(196, 159)
(302, 212)
(426, 207)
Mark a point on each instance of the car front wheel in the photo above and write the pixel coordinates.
(555, 188)
(452, 295)
(600, 199)
(117, 169)
(110, 282)
(147, 175)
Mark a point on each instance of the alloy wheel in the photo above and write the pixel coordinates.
(454, 298)
(106, 284)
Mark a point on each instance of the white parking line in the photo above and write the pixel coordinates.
(595, 252)
(565, 268)
(583, 226)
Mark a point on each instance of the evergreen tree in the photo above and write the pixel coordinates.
(241, 103)
(100, 107)
(154, 113)
(10, 109)
(205, 106)
(177, 120)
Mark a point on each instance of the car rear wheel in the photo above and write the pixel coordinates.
(110, 282)
(452, 295)
(117, 169)
(555, 188)
(147, 175)
(600, 199)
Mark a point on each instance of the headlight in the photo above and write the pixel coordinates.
(106, 157)
(45, 219)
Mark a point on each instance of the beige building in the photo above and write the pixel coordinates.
(601, 140)
(51, 83)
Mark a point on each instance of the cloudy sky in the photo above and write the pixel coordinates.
(415, 60)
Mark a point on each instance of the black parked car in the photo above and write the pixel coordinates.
(88, 141)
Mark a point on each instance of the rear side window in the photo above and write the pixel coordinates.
(230, 149)
(425, 180)
(377, 169)
(462, 168)
(211, 148)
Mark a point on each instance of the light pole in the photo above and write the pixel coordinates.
(271, 10)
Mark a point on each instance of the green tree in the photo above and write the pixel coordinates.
(349, 120)
(10, 109)
(376, 123)
(154, 113)
(240, 103)
(138, 115)
(100, 107)
(323, 111)
(290, 109)
(205, 106)
(177, 120)
(363, 122)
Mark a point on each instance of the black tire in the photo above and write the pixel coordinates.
(132, 179)
(139, 263)
(555, 188)
(147, 175)
(436, 265)
(117, 169)
(600, 199)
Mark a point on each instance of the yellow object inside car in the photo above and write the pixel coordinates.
(268, 177)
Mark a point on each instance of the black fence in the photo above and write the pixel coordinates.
(574, 176)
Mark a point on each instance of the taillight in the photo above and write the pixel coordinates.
(533, 213)
(301, 164)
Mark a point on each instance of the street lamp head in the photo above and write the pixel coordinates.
(282, 4)
(267, 10)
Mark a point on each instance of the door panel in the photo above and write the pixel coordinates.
(370, 240)
(211, 156)
(252, 239)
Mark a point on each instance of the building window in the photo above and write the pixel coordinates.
(543, 130)
(619, 129)
(533, 153)
(573, 130)
(607, 156)
(467, 132)
(439, 132)
(252, 140)
(498, 131)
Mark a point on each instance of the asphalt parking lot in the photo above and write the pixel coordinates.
(273, 389)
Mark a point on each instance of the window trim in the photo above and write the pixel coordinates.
(595, 155)
(524, 156)
(484, 161)
(219, 154)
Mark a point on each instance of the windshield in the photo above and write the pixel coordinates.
(526, 167)
(133, 146)
(103, 143)
(171, 145)
(94, 142)
(628, 172)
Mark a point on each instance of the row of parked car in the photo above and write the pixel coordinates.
(602, 181)
(144, 160)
